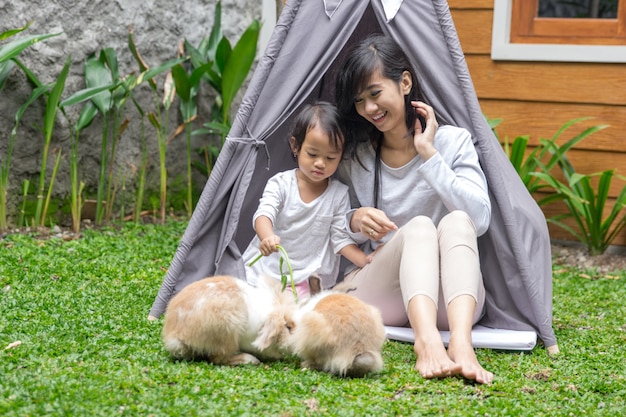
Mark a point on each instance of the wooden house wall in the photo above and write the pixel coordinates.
(537, 98)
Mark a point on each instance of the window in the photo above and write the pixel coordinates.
(558, 30)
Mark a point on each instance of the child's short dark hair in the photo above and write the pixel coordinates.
(322, 115)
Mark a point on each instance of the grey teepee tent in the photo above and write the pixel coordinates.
(308, 43)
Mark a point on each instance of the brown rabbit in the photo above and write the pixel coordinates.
(338, 333)
(228, 321)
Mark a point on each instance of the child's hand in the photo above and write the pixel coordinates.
(268, 245)
(363, 260)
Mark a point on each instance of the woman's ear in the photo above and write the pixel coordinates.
(293, 146)
(406, 83)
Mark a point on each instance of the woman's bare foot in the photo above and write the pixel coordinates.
(464, 356)
(433, 361)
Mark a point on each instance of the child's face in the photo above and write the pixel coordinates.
(318, 159)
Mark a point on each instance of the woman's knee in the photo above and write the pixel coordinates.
(419, 227)
(458, 221)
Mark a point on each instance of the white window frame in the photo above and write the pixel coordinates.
(503, 49)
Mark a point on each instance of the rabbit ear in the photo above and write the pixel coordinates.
(272, 330)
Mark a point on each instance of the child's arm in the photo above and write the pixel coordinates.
(355, 255)
(265, 231)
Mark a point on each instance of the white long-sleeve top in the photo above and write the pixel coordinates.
(311, 233)
(450, 180)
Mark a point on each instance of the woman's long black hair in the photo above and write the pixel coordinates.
(376, 53)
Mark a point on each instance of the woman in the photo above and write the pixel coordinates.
(428, 205)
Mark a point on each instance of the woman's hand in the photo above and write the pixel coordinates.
(372, 222)
(423, 140)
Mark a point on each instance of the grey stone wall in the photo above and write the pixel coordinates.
(86, 27)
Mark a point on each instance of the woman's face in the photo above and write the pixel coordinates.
(382, 103)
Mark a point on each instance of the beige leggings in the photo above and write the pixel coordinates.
(439, 262)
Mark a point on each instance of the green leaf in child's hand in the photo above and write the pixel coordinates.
(283, 275)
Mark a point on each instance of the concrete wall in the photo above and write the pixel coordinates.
(86, 27)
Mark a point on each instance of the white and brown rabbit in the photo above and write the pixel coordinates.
(227, 321)
(337, 333)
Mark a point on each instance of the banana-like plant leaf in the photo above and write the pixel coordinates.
(195, 56)
(198, 73)
(238, 65)
(181, 81)
(86, 116)
(109, 57)
(97, 75)
(222, 54)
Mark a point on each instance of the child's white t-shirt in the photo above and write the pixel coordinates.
(311, 233)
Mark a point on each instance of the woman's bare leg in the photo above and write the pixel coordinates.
(432, 359)
(460, 349)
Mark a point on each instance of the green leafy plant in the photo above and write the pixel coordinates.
(8, 58)
(226, 69)
(160, 122)
(187, 87)
(141, 184)
(52, 107)
(22, 215)
(586, 205)
(102, 71)
(217, 64)
(160, 117)
(85, 118)
(544, 157)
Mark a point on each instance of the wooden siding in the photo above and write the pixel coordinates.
(537, 98)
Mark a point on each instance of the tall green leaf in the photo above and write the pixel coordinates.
(5, 70)
(85, 94)
(52, 106)
(181, 81)
(12, 32)
(14, 48)
(216, 31)
(238, 65)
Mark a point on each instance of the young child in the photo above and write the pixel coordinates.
(304, 209)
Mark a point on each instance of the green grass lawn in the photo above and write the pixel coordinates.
(79, 310)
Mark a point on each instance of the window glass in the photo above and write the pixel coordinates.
(589, 9)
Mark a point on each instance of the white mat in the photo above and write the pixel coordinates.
(482, 337)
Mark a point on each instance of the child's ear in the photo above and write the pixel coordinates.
(293, 146)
